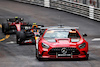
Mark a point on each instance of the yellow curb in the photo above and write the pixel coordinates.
(0, 26)
(6, 37)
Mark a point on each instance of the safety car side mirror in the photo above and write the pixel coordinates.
(84, 34)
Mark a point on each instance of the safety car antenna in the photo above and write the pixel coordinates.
(60, 22)
(60, 19)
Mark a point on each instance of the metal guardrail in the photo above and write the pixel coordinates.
(71, 7)
(68, 6)
(36, 2)
(97, 14)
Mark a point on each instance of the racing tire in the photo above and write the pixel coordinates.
(21, 36)
(17, 40)
(17, 37)
(5, 27)
(2, 28)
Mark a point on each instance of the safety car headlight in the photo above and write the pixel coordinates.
(45, 45)
(82, 45)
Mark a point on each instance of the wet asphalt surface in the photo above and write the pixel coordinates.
(13, 55)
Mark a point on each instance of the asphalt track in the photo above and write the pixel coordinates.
(13, 55)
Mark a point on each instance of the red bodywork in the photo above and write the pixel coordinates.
(61, 43)
(18, 25)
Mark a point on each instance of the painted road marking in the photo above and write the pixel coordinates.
(0, 26)
(96, 39)
(6, 37)
(11, 42)
(93, 46)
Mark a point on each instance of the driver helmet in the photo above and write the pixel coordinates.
(16, 19)
(34, 23)
(34, 26)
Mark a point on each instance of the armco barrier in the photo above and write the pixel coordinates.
(71, 7)
(97, 14)
(68, 6)
(36, 2)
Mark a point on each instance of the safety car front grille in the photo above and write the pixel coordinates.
(69, 50)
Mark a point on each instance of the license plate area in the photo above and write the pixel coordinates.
(64, 55)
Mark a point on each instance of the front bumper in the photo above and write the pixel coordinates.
(73, 55)
(56, 57)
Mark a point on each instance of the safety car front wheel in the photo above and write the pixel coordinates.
(38, 56)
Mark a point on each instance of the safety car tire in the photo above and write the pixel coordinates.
(38, 56)
(87, 57)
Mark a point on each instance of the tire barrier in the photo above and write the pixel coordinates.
(68, 6)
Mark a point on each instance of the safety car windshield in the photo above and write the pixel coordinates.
(60, 34)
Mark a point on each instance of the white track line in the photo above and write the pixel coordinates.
(96, 39)
(11, 42)
(93, 46)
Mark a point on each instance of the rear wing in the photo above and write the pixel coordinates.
(14, 19)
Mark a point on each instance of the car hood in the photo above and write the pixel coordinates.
(61, 42)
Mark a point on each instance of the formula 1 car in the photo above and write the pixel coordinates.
(61, 42)
(14, 24)
(28, 36)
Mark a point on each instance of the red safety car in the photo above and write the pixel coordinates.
(14, 24)
(61, 42)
